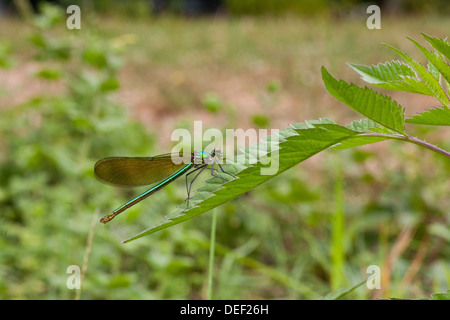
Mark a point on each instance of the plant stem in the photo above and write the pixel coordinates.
(414, 140)
(212, 244)
(428, 146)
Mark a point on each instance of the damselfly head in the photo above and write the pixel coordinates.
(207, 157)
(216, 153)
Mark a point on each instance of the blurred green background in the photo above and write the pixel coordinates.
(135, 72)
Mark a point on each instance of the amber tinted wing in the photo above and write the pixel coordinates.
(137, 171)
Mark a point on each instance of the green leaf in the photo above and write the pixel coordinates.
(6, 61)
(394, 75)
(377, 107)
(408, 84)
(359, 141)
(440, 45)
(435, 116)
(109, 84)
(384, 72)
(293, 146)
(212, 102)
(95, 57)
(428, 79)
(436, 61)
(441, 296)
(433, 70)
(368, 129)
(363, 125)
(49, 74)
(261, 120)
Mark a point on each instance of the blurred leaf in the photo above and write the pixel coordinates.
(95, 57)
(119, 281)
(49, 74)
(50, 16)
(293, 191)
(441, 296)
(342, 292)
(51, 48)
(261, 120)
(6, 61)
(212, 102)
(110, 84)
(440, 230)
(361, 156)
(38, 40)
(273, 86)
(60, 50)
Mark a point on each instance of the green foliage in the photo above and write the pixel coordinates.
(276, 7)
(430, 82)
(261, 120)
(377, 107)
(279, 238)
(441, 296)
(394, 75)
(46, 180)
(212, 103)
(5, 56)
(433, 116)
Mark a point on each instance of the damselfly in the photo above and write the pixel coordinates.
(139, 171)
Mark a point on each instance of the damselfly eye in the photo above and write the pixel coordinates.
(217, 153)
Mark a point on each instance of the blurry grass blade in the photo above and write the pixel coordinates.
(336, 295)
(274, 274)
(338, 225)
